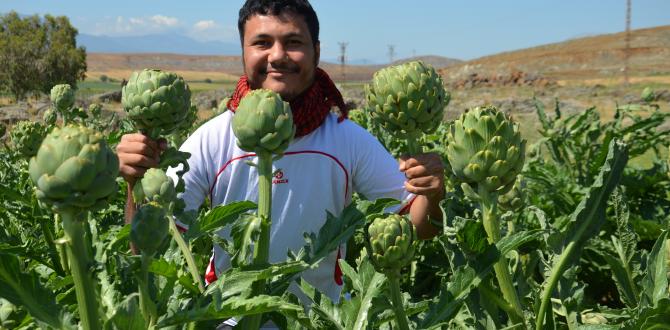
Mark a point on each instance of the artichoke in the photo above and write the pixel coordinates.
(359, 116)
(263, 123)
(95, 109)
(648, 95)
(74, 169)
(62, 97)
(407, 99)
(50, 116)
(513, 199)
(149, 228)
(155, 186)
(26, 137)
(391, 242)
(157, 102)
(485, 149)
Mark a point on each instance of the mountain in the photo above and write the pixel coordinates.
(600, 56)
(157, 43)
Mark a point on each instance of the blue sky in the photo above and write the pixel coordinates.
(457, 29)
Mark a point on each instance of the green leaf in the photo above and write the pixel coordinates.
(26, 290)
(465, 278)
(127, 315)
(655, 281)
(334, 232)
(245, 232)
(655, 318)
(218, 217)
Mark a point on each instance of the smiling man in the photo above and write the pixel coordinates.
(329, 159)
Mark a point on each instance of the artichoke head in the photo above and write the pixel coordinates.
(407, 99)
(513, 199)
(157, 102)
(62, 97)
(155, 186)
(648, 95)
(95, 109)
(50, 116)
(485, 149)
(392, 242)
(149, 228)
(27, 136)
(74, 169)
(263, 123)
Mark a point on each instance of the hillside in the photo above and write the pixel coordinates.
(593, 57)
(199, 67)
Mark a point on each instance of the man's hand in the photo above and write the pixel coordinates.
(425, 175)
(137, 153)
(425, 178)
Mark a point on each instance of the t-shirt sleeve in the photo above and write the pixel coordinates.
(375, 172)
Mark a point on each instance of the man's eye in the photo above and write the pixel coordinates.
(261, 43)
(295, 42)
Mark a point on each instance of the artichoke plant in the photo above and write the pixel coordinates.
(62, 97)
(50, 116)
(391, 247)
(359, 116)
(407, 100)
(155, 186)
(486, 153)
(485, 149)
(95, 109)
(263, 124)
(27, 136)
(157, 102)
(75, 171)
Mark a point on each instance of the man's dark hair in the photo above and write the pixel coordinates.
(276, 8)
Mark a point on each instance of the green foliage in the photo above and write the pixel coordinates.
(29, 41)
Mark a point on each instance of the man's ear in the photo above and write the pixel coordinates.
(317, 53)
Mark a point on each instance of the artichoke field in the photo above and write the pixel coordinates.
(560, 233)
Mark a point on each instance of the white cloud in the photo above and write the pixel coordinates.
(164, 20)
(204, 25)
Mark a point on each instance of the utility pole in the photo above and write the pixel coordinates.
(391, 53)
(343, 58)
(626, 54)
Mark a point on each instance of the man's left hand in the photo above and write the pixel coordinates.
(425, 174)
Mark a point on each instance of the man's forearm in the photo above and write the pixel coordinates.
(423, 210)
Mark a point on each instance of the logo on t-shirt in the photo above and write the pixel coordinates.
(279, 177)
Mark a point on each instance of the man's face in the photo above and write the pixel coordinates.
(278, 54)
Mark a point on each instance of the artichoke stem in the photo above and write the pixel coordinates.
(186, 251)
(62, 251)
(413, 147)
(488, 203)
(78, 256)
(147, 305)
(556, 273)
(396, 300)
(262, 246)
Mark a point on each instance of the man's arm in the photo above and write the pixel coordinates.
(425, 178)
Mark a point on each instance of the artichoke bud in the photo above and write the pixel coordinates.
(392, 242)
(155, 186)
(95, 109)
(402, 97)
(74, 169)
(50, 116)
(158, 102)
(485, 148)
(149, 228)
(263, 123)
(62, 97)
(512, 200)
(647, 95)
(27, 136)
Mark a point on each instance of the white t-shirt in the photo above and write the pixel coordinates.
(318, 172)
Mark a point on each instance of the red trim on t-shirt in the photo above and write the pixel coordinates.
(210, 273)
(405, 209)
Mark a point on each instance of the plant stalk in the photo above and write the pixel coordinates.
(146, 303)
(413, 147)
(186, 251)
(488, 203)
(56, 261)
(78, 256)
(556, 273)
(396, 300)
(262, 246)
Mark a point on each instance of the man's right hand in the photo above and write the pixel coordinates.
(137, 153)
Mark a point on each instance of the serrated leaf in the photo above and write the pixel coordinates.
(25, 289)
(334, 232)
(218, 217)
(655, 281)
(127, 315)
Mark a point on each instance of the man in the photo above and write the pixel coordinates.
(329, 159)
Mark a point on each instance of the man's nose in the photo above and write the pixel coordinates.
(278, 53)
